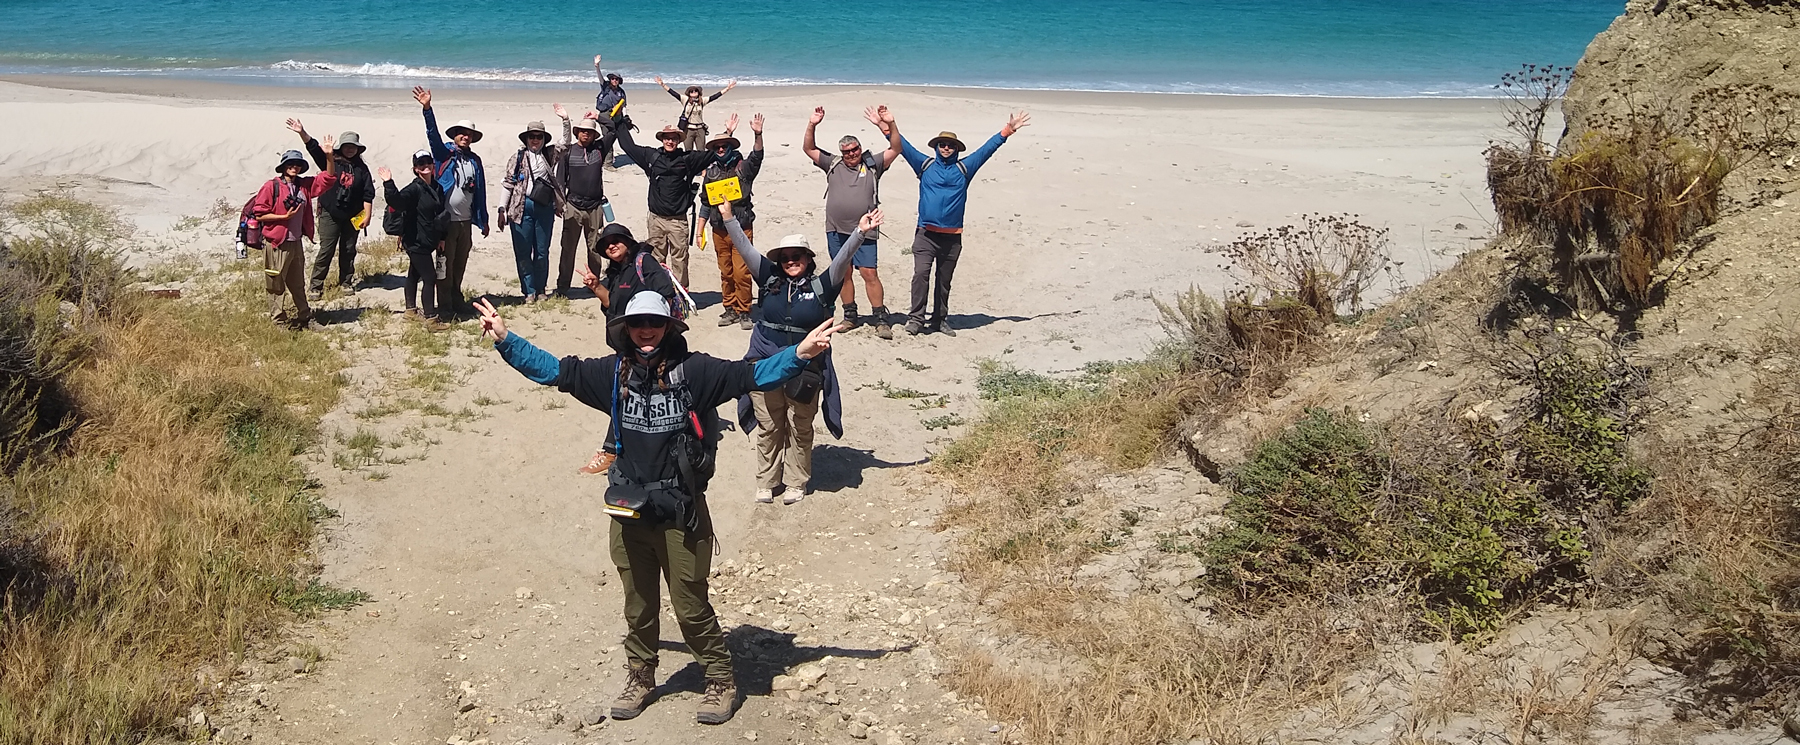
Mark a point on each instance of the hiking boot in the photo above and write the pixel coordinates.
(883, 329)
(640, 686)
(601, 461)
(914, 327)
(850, 318)
(944, 328)
(717, 704)
(765, 496)
(744, 322)
(728, 317)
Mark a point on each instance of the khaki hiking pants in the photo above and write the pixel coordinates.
(579, 224)
(669, 244)
(646, 555)
(284, 272)
(784, 439)
(734, 274)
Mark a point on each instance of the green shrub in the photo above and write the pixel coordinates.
(1471, 521)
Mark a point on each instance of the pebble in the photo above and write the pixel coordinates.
(859, 731)
(523, 593)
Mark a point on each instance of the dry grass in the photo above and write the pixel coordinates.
(1717, 540)
(1131, 671)
(170, 527)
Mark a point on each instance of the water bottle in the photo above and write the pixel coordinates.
(606, 209)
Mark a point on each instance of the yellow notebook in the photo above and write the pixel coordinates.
(724, 190)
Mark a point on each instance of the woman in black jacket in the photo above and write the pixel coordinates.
(419, 204)
(663, 402)
(629, 268)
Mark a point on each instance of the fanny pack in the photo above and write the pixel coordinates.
(804, 387)
(652, 503)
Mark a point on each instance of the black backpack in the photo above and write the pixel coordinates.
(393, 222)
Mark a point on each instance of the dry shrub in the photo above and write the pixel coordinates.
(1325, 263)
(1623, 193)
(166, 530)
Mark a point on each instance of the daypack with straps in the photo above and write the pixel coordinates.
(695, 451)
(682, 305)
(818, 287)
(933, 161)
(249, 232)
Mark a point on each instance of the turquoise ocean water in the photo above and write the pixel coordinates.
(1406, 48)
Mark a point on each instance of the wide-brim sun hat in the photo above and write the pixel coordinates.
(730, 143)
(794, 242)
(534, 128)
(349, 138)
(464, 126)
(591, 125)
(949, 138)
(292, 156)
(669, 132)
(647, 304)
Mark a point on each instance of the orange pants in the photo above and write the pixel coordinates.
(734, 274)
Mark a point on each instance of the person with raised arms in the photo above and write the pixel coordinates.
(671, 171)
(852, 189)
(692, 121)
(464, 187)
(796, 296)
(731, 168)
(662, 400)
(944, 178)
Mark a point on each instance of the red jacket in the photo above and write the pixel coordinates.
(269, 202)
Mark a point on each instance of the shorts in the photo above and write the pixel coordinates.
(865, 253)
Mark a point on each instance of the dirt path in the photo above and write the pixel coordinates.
(495, 608)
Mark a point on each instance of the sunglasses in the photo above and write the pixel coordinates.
(646, 322)
(792, 258)
(852, 150)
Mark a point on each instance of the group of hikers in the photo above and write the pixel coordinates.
(661, 396)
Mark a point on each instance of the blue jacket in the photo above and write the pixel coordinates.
(442, 153)
(943, 183)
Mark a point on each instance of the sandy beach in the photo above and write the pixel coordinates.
(1106, 197)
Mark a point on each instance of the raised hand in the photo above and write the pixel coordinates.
(1017, 121)
(660, 82)
(561, 113)
(423, 96)
(869, 221)
(492, 325)
(327, 144)
(296, 127)
(756, 122)
(816, 343)
(887, 117)
(588, 279)
(818, 115)
(873, 114)
(729, 86)
(731, 124)
(596, 60)
(384, 174)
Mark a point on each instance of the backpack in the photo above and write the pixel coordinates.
(695, 449)
(393, 222)
(682, 305)
(959, 167)
(249, 232)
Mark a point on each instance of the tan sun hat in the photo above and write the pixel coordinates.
(467, 126)
(669, 132)
(949, 138)
(730, 143)
(534, 128)
(795, 242)
(591, 125)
